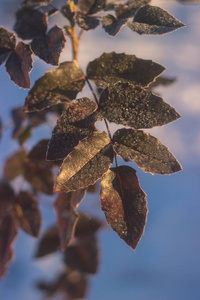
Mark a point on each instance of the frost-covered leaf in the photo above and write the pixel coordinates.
(39, 175)
(14, 165)
(86, 164)
(86, 22)
(128, 9)
(56, 86)
(83, 256)
(35, 2)
(66, 215)
(20, 64)
(112, 67)
(27, 214)
(154, 20)
(7, 235)
(30, 23)
(7, 43)
(162, 80)
(91, 7)
(111, 25)
(145, 150)
(131, 105)
(124, 203)
(48, 243)
(50, 46)
(75, 123)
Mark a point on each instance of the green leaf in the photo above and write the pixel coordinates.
(111, 25)
(56, 86)
(86, 164)
(131, 105)
(7, 43)
(111, 67)
(145, 150)
(75, 123)
(19, 65)
(50, 46)
(27, 214)
(30, 23)
(124, 204)
(154, 20)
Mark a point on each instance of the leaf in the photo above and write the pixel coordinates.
(86, 164)
(7, 197)
(83, 256)
(20, 64)
(75, 123)
(154, 20)
(86, 22)
(111, 67)
(50, 46)
(7, 235)
(91, 7)
(161, 80)
(25, 135)
(49, 243)
(27, 214)
(30, 23)
(124, 204)
(128, 10)
(66, 216)
(35, 2)
(38, 152)
(111, 25)
(56, 86)
(18, 117)
(131, 105)
(86, 226)
(7, 43)
(39, 175)
(68, 12)
(14, 165)
(147, 151)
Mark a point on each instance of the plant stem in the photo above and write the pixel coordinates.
(75, 43)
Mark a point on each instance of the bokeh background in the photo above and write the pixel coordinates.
(166, 263)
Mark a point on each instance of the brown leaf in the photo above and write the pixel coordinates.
(39, 175)
(124, 204)
(134, 106)
(7, 197)
(83, 256)
(20, 64)
(18, 117)
(154, 20)
(8, 233)
(112, 25)
(38, 152)
(50, 46)
(56, 86)
(49, 242)
(86, 226)
(147, 151)
(75, 123)
(7, 43)
(66, 216)
(30, 23)
(86, 164)
(112, 67)
(14, 165)
(27, 214)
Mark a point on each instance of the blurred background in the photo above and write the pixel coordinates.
(166, 263)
